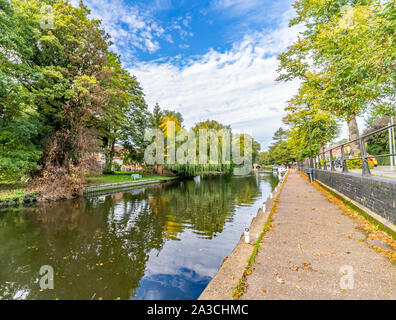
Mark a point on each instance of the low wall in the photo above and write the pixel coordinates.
(123, 185)
(375, 193)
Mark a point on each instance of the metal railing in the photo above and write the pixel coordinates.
(316, 162)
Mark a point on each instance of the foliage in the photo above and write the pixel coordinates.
(379, 143)
(63, 95)
(356, 163)
(345, 58)
(125, 116)
(264, 159)
(19, 153)
(322, 128)
(281, 151)
(190, 169)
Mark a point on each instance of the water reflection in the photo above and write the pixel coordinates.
(160, 242)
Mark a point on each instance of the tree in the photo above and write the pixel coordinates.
(323, 124)
(264, 158)
(348, 64)
(156, 116)
(65, 86)
(133, 129)
(282, 153)
(379, 143)
(20, 149)
(282, 150)
(280, 135)
(19, 152)
(71, 93)
(125, 115)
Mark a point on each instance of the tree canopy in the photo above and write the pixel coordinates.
(63, 95)
(345, 58)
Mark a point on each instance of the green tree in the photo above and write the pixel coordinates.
(379, 143)
(20, 149)
(265, 158)
(282, 150)
(345, 55)
(125, 115)
(135, 126)
(156, 116)
(323, 125)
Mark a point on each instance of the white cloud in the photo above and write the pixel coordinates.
(251, 10)
(129, 26)
(235, 87)
(237, 5)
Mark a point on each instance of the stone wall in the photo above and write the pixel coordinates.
(375, 193)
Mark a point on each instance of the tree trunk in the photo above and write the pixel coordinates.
(109, 155)
(354, 134)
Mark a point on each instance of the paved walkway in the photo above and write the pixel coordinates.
(312, 251)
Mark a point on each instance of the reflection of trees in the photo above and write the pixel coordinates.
(99, 247)
(204, 207)
(91, 252)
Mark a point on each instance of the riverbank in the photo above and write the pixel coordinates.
(234, 267)
(119, 177)
(124, 185)
(18, 194)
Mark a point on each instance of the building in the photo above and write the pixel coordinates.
(337, 151)
(118, 159)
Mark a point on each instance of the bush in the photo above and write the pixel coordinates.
(357, 164)
(19, 156)
(116, 167)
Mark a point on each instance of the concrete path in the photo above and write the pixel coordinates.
(315, 251)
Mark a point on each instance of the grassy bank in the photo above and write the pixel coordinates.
(11, 190)
(15, 193)
(119, 177)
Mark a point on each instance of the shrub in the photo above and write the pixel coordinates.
(357, 163)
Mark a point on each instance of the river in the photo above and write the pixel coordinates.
(160, 242)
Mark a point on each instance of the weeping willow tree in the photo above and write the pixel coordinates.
(205, 149)
(209, 148)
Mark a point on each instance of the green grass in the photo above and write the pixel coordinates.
(119, 177)
(11, 190)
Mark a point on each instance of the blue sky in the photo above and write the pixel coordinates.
(208, 59)
(161, 29)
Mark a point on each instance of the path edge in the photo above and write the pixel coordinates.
(233, 280)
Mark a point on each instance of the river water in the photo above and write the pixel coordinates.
(159, 242)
